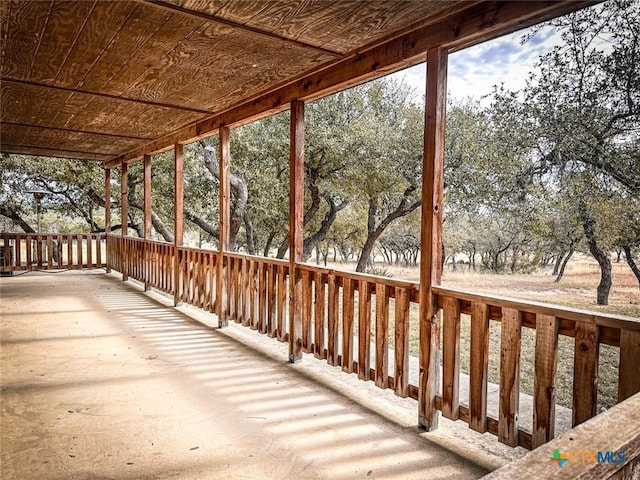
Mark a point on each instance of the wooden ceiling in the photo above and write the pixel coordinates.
(111, 80)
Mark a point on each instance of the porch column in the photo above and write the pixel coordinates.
(296, 225)
(147, 216)
(124, 229)
(223, 223)
(178, 225)
(107, 211)
(431, 234)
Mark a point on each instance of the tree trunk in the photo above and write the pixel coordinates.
(373, 233)
(631, 262)
(558, 263)
(560, 273)
(251, 244)
(238, 207)
(589, 226)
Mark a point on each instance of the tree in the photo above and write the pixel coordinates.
(585, 101)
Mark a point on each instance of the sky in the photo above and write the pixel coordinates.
(474, 71)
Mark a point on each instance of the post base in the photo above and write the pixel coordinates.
(295, 358)
(428, 426)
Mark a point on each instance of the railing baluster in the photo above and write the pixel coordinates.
(246, 275)
(364, 330)
(347, 325)
(585, 372)
(382, 336)
(262, 300)
(479, 367)
(282, 303)
(509, 376)
(80, 256)
(29, 252)
(306, 311)
(318, 311)
(332, 321)
(271, 300)
(253, 319)
(401, 374)
(39, 250)
(49, 251)
(90, 251)
(18, 247)
(544, 397)
(629, 371)
(451, 359)
(70, 252)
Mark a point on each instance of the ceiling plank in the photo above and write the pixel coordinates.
(53, 152)
(106, 95)
(70, 130)
(466, 27)
(213, 18)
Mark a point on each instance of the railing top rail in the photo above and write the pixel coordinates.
(566, 313)
(258, 258)
(24, 235)
(390, 282)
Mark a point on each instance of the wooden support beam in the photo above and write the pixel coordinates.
(431, 235)
(146, 211)
(296, 225)
(223, 221)
(124, 216)
(107, 211)
(178, 223)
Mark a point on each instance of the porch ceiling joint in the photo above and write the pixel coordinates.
(71, 130)
(107, 95)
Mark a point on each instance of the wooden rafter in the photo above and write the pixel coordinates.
(106, 95)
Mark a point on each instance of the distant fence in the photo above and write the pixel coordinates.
(31, 251)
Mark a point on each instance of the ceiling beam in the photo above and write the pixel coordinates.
(53, 152)
(477, 23)
(230, 23)
(107, 95)
(70, 130)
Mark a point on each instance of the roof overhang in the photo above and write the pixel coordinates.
(112, 81)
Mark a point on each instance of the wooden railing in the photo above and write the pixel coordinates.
(368, 325)
(30, 251)
(604, 447)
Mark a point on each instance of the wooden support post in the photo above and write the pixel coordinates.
(296, 202)
(178, 224)
(124, 204)
(431, 234)
(107, 214)
(147, 218)
(224, 223)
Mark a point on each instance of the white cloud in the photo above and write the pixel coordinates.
(474, 71)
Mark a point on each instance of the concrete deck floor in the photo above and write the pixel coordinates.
(102, 381)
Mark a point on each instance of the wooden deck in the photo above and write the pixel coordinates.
(102, 380)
